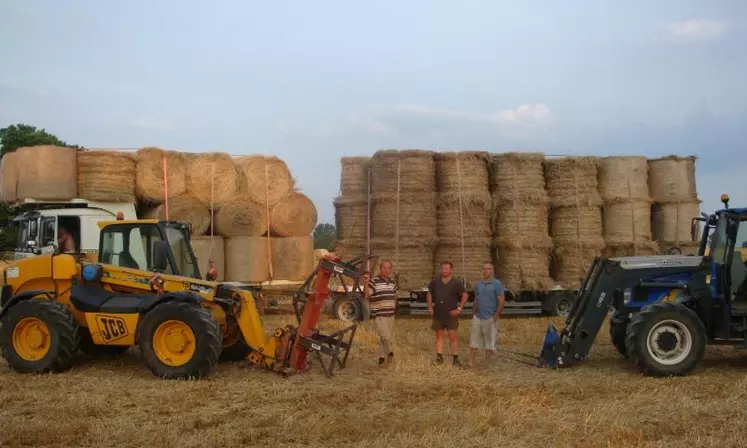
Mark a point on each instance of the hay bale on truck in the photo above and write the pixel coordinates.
(47, 173)
(293, 216)
(247, 259)
(9, 168)
(266, 179)
(351, 217)
(354, 176)
(401, 172)
(576, 217)
(200, 178)
(672, 185)
(204, 246)
(623, 185)
(149, 177)
(292, 258)
(412, 260)
(106, 176)
(241, 217)
(186, 209)
(463, 213)
(522, 243)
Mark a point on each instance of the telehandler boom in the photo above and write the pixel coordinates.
(56, 304)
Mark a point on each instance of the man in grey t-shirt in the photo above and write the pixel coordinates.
(446, 298)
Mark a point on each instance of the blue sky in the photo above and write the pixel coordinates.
(314, 81)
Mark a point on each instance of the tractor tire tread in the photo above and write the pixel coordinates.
(635, 347)
(206, 330)
(58, 319)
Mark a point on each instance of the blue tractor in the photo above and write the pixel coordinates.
(667, 308)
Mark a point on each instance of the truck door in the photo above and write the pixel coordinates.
(27, 237)
(48, 235)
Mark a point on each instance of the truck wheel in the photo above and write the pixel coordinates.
(234, 346)
(666, 339)
(89, 348)
(347, 309)
(560, 305)
(39, 336)
(618, 330)
(180, 340)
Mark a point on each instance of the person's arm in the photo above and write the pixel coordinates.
(474, 302)
(429, 298)
(463, 299)
(501, 297)
(367, 285)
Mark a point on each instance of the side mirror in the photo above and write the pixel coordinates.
(160, 255)
(33, 229)
(694, 229)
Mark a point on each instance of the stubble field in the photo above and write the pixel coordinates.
(412, 403)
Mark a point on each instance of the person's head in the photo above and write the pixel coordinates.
(487, 270)
(446, 268)
(62, 234)
(385, 268)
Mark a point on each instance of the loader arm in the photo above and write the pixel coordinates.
(605, 286)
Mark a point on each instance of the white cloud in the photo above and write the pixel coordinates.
(697, 29)
(524, 112)
(370, 124)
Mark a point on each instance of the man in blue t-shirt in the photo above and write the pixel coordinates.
(488, 305)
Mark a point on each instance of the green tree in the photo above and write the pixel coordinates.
(19, 135)
(324, 236)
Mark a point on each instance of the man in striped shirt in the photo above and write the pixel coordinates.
(381, 293)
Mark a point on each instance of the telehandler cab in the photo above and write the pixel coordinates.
(666, 309)
(145, 290)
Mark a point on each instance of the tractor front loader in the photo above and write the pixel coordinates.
(146, 291)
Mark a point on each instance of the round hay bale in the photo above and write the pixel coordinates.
(416, 218)
(354, 176)
(292, 258)
(523, 224)
(518, 177)
(641, 249)
(572, 181)
(468, 266)
(577, 226)
(149, 184)
(247, 259)
(241, 217)
(416, 169)
(412, 262)
(351, 218)
(9, 166)
(475, 216)
(462, 171)
(627, 222)
(623, 178)
(106, 176)
(350, 248)
(267, 178)
(523, 270)
(293, 216)
(48, 173)
(672, 179)
(200, 178)
(185, 209)
(202, 248)
(571, 263)
(670, 222)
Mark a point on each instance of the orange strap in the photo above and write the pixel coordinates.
(166, 186)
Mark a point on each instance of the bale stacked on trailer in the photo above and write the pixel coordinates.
(463, 213)
(576, 217)
(207, 247)
(352, 207)
(203, 168)
(186, 209)
(106, 176)
(522, 243)
(403, 220)
(672, 185)
(149, 179)
(47, 173)
(9, 171)
(623, 185)
(267, 178)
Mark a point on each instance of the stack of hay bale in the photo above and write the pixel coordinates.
(463, 213)
(522, 243)
(576, 217)
(623, 185)
(672, 185)
(47, 173)
(352, 222)
(403, 218)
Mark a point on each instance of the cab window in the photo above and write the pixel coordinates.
(181, 251)
(130, 247)
(48, 227)
(738, 267)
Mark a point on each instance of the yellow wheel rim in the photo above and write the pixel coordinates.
(174, 343)
(31, 339)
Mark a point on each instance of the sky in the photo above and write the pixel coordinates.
(311, 82)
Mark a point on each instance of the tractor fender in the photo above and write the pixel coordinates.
(176, 296)
(25, 295)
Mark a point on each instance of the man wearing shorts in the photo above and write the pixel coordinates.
(488, 305)
(446, 298)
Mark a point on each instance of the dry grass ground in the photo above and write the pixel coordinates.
(603, 402)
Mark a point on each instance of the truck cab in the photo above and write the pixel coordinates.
(40, 222)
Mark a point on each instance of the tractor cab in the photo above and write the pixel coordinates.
(148, 245)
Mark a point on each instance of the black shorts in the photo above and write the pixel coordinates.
(445, 323)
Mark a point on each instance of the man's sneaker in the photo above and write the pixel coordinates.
(390, 357)
(456, 361)
(439, 359)
(381, 361)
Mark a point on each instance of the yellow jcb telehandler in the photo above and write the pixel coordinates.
(145, 290)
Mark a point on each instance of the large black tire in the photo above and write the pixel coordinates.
(207, 341)
(618, 331)
(677, 329)
(239, 350)
(559, 304)
(89, 348)
(63, 331)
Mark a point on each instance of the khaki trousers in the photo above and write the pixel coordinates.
(385, 329)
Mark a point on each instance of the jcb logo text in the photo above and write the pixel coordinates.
(111, 328)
